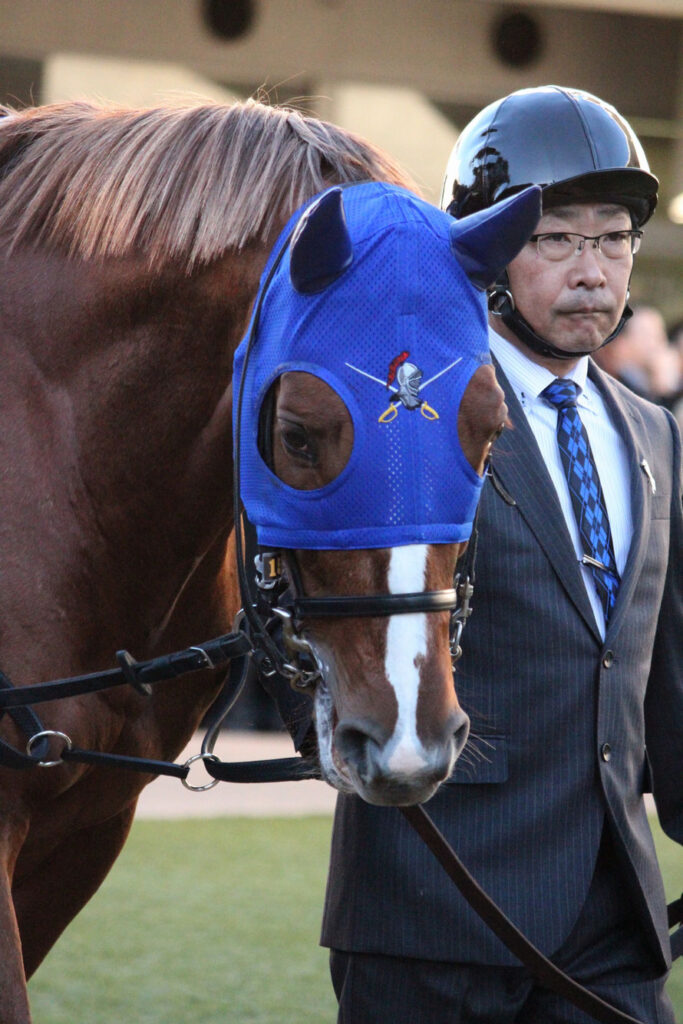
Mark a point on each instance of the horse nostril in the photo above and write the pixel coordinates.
(461, 732)
(354, 740)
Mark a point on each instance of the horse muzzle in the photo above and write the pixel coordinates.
(398, 770)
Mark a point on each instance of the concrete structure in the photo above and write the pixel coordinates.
(407, 73)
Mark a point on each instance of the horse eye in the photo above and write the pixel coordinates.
(296, 441)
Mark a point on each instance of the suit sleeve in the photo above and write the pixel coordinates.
(664, 699)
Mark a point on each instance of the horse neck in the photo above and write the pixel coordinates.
(116, 460)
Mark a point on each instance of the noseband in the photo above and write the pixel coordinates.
(279, 602)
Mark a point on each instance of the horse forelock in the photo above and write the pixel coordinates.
(182, 183)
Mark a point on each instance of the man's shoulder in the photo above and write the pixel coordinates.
(650, 412)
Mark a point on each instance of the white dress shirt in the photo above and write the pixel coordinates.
(528, 380)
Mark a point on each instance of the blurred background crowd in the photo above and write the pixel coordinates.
(648, 357)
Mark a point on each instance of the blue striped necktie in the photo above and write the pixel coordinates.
(588, 502)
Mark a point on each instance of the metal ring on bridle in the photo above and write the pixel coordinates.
(456, 649)
(208, 785)
(42, 735)
(497, 299)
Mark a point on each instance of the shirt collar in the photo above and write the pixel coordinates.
(527, 378)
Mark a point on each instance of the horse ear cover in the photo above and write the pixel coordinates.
(321, 248)
(486, 241)
(346, 291)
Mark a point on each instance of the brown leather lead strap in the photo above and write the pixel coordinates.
(544, 970)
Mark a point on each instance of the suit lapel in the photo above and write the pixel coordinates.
(630, 426)
(519, 465)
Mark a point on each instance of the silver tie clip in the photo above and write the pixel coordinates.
(589, 560)
(644, 465)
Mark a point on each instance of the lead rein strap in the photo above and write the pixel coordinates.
(283, 769)
(286, 769)
(544, 970)
(295, 769)
(28, 722)
(211, 654)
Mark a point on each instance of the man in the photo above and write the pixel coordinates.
(572, 667)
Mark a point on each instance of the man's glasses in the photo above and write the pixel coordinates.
(560, 245)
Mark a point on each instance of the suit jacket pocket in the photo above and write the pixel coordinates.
(484, 760)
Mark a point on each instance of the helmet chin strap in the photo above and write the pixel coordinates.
(502, 304)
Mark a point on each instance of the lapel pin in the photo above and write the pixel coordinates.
(644, 465)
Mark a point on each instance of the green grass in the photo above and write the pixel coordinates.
(205, 920)
(671, 861)
(214, 921)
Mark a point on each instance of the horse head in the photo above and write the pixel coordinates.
(133, 243)
(366, 408)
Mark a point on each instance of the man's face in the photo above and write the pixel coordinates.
(577, 302)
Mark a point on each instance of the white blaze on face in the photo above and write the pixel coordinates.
(406, 646)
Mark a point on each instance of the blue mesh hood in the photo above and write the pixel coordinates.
(398, 336)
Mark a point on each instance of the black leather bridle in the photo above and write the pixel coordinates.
(267, 640)
(278, 609)
(274, 600)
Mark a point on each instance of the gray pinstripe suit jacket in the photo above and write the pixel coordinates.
(526, 805)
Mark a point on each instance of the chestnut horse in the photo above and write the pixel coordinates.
(133, 245)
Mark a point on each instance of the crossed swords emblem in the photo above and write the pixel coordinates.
(408, 388)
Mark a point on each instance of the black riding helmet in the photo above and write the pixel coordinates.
(575, 146)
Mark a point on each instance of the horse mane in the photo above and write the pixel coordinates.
(182, 183)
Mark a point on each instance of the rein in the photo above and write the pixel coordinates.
(273, 647)
(266, 640)
(543, 969)
(244, 655)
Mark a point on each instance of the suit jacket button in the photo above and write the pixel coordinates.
(605, 751)
(608, 659)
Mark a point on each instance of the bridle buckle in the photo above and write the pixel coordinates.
(300, 676)
(464, 589)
